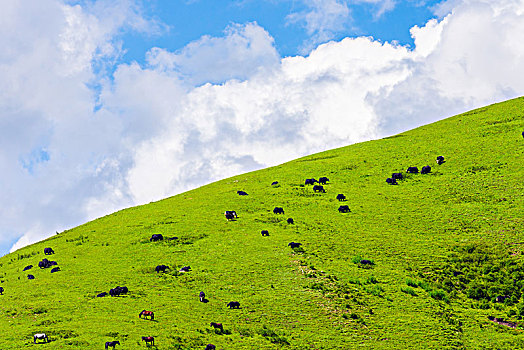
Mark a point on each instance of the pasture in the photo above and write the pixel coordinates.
(430, 243)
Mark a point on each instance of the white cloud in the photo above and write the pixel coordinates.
(183, 120)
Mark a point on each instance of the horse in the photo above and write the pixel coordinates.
(149, 340)
(147, 313)
(40, 336)
(112, 343)
(217, 326)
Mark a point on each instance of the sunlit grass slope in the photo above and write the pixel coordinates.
(435, 240)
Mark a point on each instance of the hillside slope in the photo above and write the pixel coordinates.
(443, 245)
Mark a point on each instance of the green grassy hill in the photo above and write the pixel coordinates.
(444, 246)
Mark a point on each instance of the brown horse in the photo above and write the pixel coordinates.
(149, 340)
(147, 313)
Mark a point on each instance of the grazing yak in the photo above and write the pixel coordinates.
(112, 344)
(55, 269)
(397, 176)
(310, 181)
(440, 160)
(149, 340)
(318, 188)
(231, 212)
(40, 336)
(48, 251)
(391, 181)
(264, 232)
(185, 269)
(117, 291)
(28, 267)
(156, 237)
(274, 183)
(344, 209)
(46, 263)
(278, 210)
(366, 262)
(202, 296)
(210, 347)
(323, 180)
(341, 197)
(229, 216)
(162, 268)
(1, 290)
(294, 244)
(412, 170)
(233, 305)
(242, 193)
(30, 277)
(290, 221)
(217, 326)
(101, 295)
(425, 169)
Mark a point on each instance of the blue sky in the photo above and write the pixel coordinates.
(186, 21)
(108, 104)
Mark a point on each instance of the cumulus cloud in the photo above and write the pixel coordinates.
(182, 120)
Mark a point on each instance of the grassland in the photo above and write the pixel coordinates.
(435, 241)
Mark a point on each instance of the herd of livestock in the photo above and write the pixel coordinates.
(229, 215)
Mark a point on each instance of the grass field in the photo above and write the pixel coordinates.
(443, 246)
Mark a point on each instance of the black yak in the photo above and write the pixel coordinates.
(185, 269)
(242, 193)
(391, 181)
(274, 183)
(412, 170)
(112, 344)
(341, 197)
(48, 251)
(397, 176)
(310, 181)
(210, 347)
(278, 210)
(156, 237)
(55, 269)
(294, 244)
(30, 277)
(264, 232)
(290, 221)
(202, 296)
(344, 209)
(323, 180)
(162, 268)
(101, 295)
(28, 267)
(233, 305)
(1, 290)
(425, 169)
(230, 214)
(318, 188)
(440, 160)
